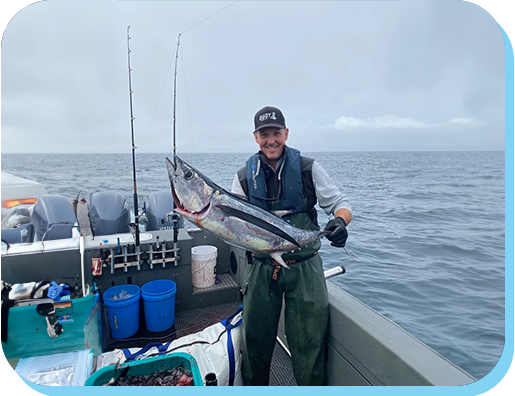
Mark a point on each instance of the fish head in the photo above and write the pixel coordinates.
(191, 190)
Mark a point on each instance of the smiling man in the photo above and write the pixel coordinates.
(278, 178)
(270, 134)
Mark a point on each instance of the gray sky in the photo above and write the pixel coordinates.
(349, 75)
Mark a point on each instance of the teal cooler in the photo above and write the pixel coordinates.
(27, 330)
(123, 313)
(159, 304)
(146, 367)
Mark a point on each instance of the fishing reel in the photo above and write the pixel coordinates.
(142, 218)
(169, 215)
(175, 218)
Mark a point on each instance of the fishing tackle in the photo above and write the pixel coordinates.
(136, 216)
(175, 216)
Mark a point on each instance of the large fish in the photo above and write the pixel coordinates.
(231, 218)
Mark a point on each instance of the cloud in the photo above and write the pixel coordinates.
(379, 122)
(412, 70)
(462, 120)
(392, 121)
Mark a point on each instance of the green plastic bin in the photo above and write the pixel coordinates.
(148, 366)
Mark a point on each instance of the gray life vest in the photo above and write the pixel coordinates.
(290, 181)
(305, 198)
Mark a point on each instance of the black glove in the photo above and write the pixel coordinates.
(339, 233)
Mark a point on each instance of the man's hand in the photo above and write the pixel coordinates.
(339, 234)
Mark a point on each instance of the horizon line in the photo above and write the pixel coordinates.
(244, 152)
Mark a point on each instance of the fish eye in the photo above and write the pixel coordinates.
(188, 174)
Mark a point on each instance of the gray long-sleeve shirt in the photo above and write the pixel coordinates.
(329, 197)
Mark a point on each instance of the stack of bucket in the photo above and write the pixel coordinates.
(123, 303)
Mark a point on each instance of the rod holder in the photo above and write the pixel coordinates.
(340, 269)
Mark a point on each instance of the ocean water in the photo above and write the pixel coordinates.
(427, 238)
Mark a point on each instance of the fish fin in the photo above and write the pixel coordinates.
(242, 197)
(229, 211)
(282, 213)
(277, 256)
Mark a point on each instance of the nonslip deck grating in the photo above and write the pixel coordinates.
(192, 321)
(195, 320)
(224, 281)
(281, 371)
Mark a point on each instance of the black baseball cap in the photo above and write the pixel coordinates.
(269, 117)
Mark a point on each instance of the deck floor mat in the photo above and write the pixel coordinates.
(195, 320)
(186, 322)
(281, 371)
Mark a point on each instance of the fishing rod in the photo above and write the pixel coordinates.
(175, 216)
(136, 217)
(351, 256)
(175, 98)
(346, 251)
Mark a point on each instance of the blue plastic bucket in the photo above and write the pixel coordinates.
(159, 304)
(123, 313)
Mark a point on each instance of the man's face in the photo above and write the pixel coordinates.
(271, 141)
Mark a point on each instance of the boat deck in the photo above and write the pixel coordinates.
(195, 320)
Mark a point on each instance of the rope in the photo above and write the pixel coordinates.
(160, 94)
(170, 65)
(209, 17)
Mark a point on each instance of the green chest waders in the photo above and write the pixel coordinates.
(304, 291)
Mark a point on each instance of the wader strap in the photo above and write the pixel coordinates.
(277, 268)
(269, 260)
(275, 277)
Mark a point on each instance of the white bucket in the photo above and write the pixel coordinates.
(203, 263)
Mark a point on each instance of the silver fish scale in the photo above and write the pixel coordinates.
(202, 202)
(247, 235)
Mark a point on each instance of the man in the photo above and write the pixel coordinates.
(279, 178)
